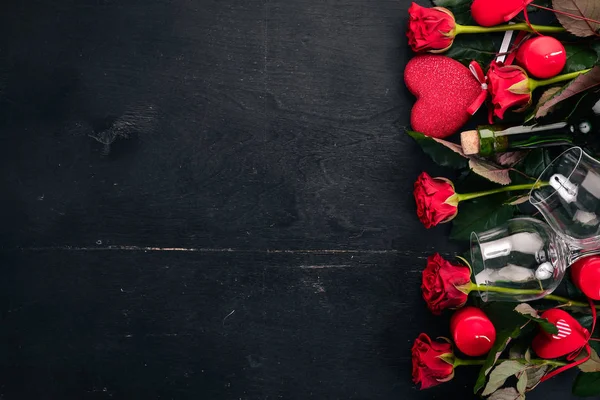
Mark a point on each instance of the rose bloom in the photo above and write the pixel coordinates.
(430, 29)
(509, 87)
(430, 367)
(440, 281)
(436, 200)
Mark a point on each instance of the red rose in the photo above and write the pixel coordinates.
(440, 281)
(436, 200)
(431, 362)
(430, 29)
(509, 87)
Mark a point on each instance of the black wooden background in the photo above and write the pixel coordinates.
(211, 199)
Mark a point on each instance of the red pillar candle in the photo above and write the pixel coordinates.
(542, 56)
(585, 274)
(472, 331)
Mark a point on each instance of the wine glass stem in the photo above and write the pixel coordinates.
(576, 253)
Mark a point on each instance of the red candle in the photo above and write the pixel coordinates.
(586, 276)
(542, 56)
(472, 331)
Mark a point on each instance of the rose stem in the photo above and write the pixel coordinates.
(533, 83)
(525, 186)
(501, 28)
(460, 362)
(496, 289)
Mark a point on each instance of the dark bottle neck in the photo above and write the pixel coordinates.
(495, 139)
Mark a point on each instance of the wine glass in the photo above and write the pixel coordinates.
(521, 260)
(567, 193)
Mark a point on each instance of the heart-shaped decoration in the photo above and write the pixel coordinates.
(445, 89)
(571, 335)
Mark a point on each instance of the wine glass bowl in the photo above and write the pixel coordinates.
(521, 260)
(567, 193)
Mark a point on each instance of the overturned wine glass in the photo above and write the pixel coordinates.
(526, 259)
(521, 260)
(570, 202)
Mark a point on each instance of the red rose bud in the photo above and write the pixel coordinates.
(436, 200)
(430, 29)
(495, 12)
(441, 282)
(432, 362)
(472, 331)
(509, 87)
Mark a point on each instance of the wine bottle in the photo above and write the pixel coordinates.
(580, 129)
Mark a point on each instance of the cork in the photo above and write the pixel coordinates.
(469, 141)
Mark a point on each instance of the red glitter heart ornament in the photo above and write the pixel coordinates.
(445, 89)
(571, 335)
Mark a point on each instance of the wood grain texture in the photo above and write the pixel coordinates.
(128, 324)
(211, 199)
(250, 124)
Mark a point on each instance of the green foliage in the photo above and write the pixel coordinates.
(480, 214)
(528, 312)
(501, 373)
(573, 291)
(509, 325)
(577, 27)
(579, 57)
(532, 166)
(587, 384)
(439, 153)
(467, 48)
(460, 8)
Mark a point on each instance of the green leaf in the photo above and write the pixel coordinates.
(517, 350)
(501, 373)
(439, 153)
(460, 8)
(595, 45)
(578, 85)
(490, 171)
(582, 8)
(535, 375)
(587, 384)
(574, 292)
(509, 325)
(480, 215)
(522, 382)
(546, 95)
(518, 199)
(480, 48)
(532, 166)
(509, 393)
(585, 321)
(580, 56)
(592, 364)
(502, 340)
(541, 110)
(528, 312)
